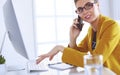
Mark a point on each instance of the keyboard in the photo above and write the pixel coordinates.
(33, 67)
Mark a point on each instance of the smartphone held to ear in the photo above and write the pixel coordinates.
(80, 25)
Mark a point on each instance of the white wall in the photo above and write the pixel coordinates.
(110, 8)
(104, 7)
(24, 14)
(115, 9)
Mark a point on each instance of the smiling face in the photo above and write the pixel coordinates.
(88, 10)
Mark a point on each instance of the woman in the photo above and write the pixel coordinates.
(103, 37)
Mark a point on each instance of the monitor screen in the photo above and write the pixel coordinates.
(13, 30)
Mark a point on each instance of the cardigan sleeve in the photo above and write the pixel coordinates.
(83, 45)
(72, 56)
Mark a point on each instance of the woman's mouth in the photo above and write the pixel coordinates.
(87, 17)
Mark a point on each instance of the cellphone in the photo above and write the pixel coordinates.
(80, 25)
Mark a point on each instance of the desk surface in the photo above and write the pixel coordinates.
(74, 71)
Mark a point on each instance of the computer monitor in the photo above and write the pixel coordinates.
(12, 28)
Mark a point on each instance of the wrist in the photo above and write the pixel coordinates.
(72, 45)
(61, 48)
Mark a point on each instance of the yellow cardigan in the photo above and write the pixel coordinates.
(107, 44)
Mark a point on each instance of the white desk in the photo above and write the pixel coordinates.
(74, 71)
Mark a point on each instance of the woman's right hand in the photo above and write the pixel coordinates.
(50, 54)
(74, 31)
